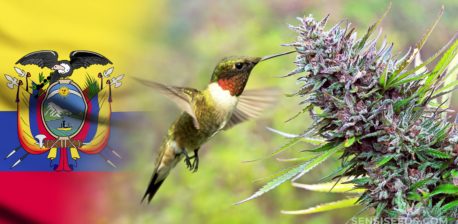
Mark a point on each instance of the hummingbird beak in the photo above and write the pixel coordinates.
(275, 55)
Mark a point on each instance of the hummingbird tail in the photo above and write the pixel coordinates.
(153, 186)
(164, 164)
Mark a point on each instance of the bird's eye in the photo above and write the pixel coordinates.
(238, 65)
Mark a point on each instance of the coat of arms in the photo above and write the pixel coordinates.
(59, 116)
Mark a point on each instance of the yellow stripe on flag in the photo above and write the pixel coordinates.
(111, 28)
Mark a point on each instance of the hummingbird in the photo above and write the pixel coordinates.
(220, 106)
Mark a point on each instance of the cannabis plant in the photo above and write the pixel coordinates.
(387, 121)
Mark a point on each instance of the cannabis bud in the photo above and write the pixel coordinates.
(400, 148)
(388, 122)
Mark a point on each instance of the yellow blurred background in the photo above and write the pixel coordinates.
(178, 43)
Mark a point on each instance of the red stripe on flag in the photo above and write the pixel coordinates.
(54, 197)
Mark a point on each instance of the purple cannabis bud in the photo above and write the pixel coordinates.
(402, 147)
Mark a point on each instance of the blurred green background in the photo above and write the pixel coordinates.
(179, 44)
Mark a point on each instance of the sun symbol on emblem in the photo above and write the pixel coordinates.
(64, 91)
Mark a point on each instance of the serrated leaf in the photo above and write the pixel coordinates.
(445, 189)
(296, 159)
(442, 134)
(422, 183)
(332, 187)
(277, 181)
(346, 203)
(421, 66)
(437, 154)
(449, 206)
(323, 148)
(284, 134)
(271, 176)
(340, 171)
(302, 169)
(384, 160)
(361, 180)
(408, 79)
(313, 141)
(446, 59)
(286, 146)
(440, 67)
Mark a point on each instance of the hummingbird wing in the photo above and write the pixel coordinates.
(181, 96)
(252, 103)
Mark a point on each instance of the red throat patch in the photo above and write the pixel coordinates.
(234, 84)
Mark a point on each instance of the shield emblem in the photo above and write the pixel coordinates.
(64, 120)
(64, 109)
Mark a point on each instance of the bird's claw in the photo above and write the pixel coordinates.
(187, 160)
(194, 165)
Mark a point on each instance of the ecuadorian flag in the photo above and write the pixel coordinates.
(61, 140)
